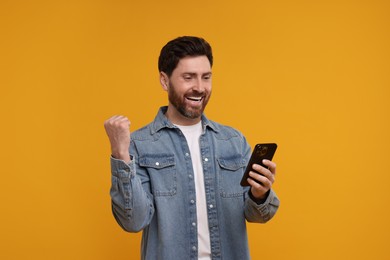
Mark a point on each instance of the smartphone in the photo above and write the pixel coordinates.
(260, 152)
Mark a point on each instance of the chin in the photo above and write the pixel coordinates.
(192, 114)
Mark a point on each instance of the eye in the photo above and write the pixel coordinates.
(187, 76)
(207, 77)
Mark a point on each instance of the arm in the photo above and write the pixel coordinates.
(132, 206)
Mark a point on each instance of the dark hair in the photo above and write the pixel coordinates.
(181, 47)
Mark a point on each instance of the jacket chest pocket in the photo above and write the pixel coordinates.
(162, 173)
(230, 174)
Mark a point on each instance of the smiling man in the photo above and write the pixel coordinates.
(178, 178)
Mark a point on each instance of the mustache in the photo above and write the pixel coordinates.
(195, 93)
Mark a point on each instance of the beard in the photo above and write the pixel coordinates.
(185, 109)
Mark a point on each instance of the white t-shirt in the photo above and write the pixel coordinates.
(192, 134)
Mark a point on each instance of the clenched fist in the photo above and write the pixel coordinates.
(118, 131)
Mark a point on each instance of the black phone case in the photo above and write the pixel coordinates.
(260, 152)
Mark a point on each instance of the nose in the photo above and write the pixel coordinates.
(199, 85)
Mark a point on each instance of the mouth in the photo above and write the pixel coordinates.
(196, 99)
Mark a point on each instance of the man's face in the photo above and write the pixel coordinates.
(189, 89)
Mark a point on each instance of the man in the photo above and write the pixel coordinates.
(178, 178)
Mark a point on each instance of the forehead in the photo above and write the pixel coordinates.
(198, 64)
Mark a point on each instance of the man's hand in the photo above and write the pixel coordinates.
(264, 180)
(118, 131)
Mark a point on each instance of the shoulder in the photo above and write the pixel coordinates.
(143, 133)
(224, 131)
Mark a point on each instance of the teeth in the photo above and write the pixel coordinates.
(195, 98)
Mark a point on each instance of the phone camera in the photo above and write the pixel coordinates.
(262, 151)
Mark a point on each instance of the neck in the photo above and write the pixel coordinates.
(178, 119)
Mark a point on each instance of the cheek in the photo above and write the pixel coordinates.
(209, 88)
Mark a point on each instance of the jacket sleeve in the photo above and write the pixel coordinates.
(263, 212)
(131, 200)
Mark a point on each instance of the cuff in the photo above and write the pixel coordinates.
(120, 168)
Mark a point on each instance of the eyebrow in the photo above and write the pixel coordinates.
(194, 74)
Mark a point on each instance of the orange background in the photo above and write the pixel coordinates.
(312, 76)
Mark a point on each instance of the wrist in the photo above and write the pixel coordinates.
(258, 199)
(124, 156)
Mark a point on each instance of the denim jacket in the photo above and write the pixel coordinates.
(155, 192)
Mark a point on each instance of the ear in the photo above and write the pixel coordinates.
(164, 79)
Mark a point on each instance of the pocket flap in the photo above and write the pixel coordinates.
(157, 161)
(231, 164)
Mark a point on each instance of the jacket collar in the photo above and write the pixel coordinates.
(161, 121)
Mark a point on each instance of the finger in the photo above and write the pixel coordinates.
(265, 181)
(115, 118)
(257, 189)
(111, 120)
(271, 165)
(118, 119)
(255, 184)
(262, 170)
(125, 120)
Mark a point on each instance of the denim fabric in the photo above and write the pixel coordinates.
(156, 191)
